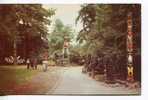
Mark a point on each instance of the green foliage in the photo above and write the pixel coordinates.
(105, 27)
(104, 33)
(56, 37)
(16, 19)
(26, 25)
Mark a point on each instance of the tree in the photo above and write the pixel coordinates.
(105, 23)
(93, 18)
(28, 21)
(105, 28)
(119, 22)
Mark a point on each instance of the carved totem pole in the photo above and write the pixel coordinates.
(130, 68)
(66, 50)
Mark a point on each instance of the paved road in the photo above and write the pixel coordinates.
(73, 82)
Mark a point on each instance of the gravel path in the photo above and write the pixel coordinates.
(73, 82)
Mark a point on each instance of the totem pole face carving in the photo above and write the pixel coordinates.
(129, 43)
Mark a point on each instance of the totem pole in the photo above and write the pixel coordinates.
(130, 68)
(65, 49)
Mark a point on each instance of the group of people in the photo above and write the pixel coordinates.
(32, 62)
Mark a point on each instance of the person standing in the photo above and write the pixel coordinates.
(35, 63)
(45, 65)
(28, 63)
(45, 61)
(31, 63)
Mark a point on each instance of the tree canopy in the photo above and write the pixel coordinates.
(56, 37)
(105, 27)
(23, 24)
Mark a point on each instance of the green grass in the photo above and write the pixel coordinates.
(15, 75)
(23, 75)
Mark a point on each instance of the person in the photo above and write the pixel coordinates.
(31, 63)
(45, 65)
(35, 63)
(45, 61)
(28, 63)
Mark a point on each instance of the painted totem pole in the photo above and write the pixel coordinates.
(130, 68)
(65, 50)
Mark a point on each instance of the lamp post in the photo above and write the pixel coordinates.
(130, 68)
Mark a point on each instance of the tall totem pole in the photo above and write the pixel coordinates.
(130, 67)
(66, 50)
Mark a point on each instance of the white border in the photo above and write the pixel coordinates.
(70, 1)
(144, 55)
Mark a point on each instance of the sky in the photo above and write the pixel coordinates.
(67, 13)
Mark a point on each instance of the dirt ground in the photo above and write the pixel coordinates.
(18, 80)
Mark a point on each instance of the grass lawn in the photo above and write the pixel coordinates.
(12, 76)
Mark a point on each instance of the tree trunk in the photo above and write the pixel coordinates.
(15, 52)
